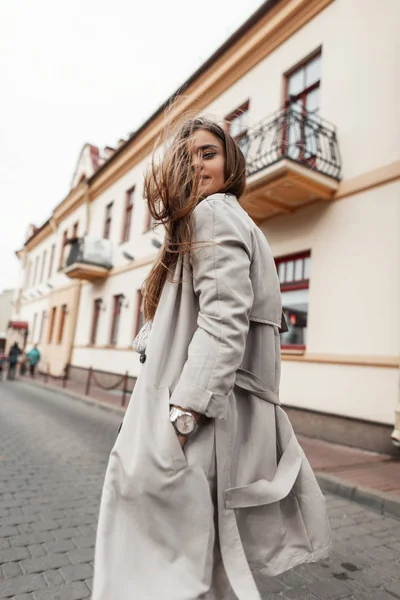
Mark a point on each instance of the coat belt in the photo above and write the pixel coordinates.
(253, 384)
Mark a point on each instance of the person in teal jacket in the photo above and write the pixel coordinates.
(33, 358)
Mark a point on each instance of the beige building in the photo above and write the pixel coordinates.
(6, 310)
(309, 88)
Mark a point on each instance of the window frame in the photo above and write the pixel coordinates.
(287, 101)
(53, 315)
(42, 326)
(62, 252)
(95, 320)
(302, 284)
(75, 228)
(51, 264)
(34, 328)
(42, 267)
(116, 318)
(128, 210)
(108, 220)
(238, 112)
(36, 270)
(61, 324)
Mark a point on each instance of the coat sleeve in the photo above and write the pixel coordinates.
(221, 280)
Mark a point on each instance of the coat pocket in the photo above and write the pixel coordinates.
(264, 492)
(168, 434)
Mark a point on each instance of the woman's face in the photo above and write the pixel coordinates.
(209, 158)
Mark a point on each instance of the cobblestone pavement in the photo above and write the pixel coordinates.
(53, 454)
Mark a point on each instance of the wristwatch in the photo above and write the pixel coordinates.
(183, 421)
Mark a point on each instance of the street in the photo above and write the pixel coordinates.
(53, 454)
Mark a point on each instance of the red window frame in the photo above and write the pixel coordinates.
(129, 203)
(302, 97)
(61, 324)
(116, 316)
(234, 115)
(291, 286)
(51, 324)
(108, 221)
(63, 244)
(53, 250)
(95, 320)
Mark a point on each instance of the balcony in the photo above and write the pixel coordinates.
(292, 159)
(89, 259)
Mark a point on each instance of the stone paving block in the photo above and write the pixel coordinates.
(299, 594)
(85, 541)
(20, 585)
(18, 519)
(89, 583)
(50, 561)
(23, 597)
(13, 554)
(11, 569)
(393, 588)
(53, 577)
(8, 531)
(45, 526)
(77, 572)
(330, 590)
(60, 546)
(81, 555)
(65, 534)
(4, 543)
(76, 590)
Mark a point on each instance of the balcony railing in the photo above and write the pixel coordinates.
(89, 258)
(289, 134)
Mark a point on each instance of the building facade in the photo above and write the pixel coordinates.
(6, 310)
(309, 89)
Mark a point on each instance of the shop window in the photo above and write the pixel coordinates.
(294, 278)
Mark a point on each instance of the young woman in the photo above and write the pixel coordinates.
(206, 482)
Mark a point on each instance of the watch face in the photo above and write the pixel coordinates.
(185, 424)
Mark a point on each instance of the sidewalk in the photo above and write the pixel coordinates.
(365, 477)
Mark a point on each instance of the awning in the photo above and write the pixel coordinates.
(18, 325)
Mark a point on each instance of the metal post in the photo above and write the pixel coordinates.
(66, 372)
(89, 378)
(125, 388)
(46, 375)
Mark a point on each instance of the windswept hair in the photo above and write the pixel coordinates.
(171, 188)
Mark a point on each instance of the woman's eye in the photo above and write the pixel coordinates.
(208, 155)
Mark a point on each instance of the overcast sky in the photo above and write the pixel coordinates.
(87, 71)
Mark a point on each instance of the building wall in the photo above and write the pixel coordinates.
(6, 309)
(354, 297)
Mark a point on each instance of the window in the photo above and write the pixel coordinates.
(303, 96)
(107, 221)
(28, 275)
(51, 325)
(42, 326)
(35, 273)
(116, 318)
(63, 244)
(43, 265)
(138, 313)
(62, 323)
(53, 251)
(34, 328)
(236, 125)
(126, 226)
(150, 222)
(75, 230)
(294, 277)
(95, 320)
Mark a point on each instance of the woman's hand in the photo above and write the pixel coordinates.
(182, 439)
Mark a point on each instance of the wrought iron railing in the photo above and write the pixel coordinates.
(90, 251)
(303, 138)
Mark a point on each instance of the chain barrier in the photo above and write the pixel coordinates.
(107, 388)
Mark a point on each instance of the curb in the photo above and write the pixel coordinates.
(79, 397)
(382, 502)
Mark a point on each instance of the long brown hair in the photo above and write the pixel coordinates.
(171, 190)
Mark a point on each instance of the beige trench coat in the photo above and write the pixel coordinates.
(214, 347)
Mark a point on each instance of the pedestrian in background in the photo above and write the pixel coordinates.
(33, 359)
(206, 481)
(13, 356)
